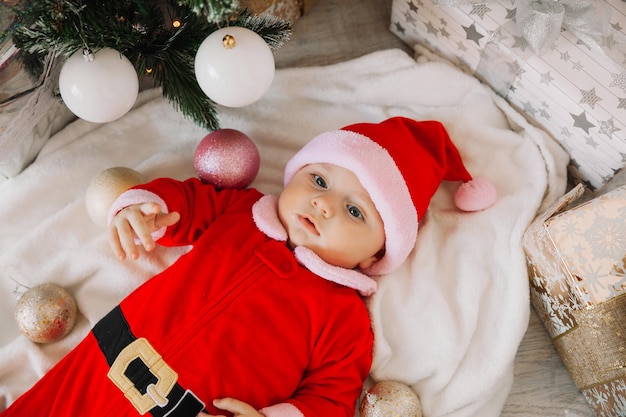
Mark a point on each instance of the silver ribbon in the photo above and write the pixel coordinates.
(541, 21)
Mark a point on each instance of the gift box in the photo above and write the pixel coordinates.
(577, 258)
(569, 81)
(29, 111)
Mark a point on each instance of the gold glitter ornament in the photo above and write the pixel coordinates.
(46, 313)
(390, 399)
(105, 187)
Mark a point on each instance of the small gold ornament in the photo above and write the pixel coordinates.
(46, 313)
(229, 41)
(390, 399)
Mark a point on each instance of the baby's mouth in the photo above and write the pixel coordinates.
(308, 224)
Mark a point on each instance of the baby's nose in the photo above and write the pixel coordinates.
(323, 204)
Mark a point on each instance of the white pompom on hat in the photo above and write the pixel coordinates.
(401, 163)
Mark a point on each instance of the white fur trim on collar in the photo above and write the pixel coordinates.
(265, 215)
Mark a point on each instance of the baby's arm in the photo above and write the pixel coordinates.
(137, 221)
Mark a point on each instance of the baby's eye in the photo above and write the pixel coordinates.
(321, 182)
(355, 212)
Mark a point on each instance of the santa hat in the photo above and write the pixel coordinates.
(401, 163)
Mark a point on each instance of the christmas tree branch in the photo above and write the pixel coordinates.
(144, 31)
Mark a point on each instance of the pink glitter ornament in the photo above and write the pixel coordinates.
(227, 158)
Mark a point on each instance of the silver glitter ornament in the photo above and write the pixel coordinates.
(46, 313)
(390, 399)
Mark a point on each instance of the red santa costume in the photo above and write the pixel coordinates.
(243, 316)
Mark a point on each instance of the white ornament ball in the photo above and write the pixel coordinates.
(99, 90)
(390, 399)
(227, 158)
(234, 66)
(46, 313)
(105, 187)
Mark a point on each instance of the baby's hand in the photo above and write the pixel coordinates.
(238, 408)
(137, 220)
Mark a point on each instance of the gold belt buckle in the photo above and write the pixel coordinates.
(156, 394)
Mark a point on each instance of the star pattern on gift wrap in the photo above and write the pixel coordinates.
(413, 7)
(408, 17)
(622, 103)
(546, 78)
(516, 68)
(580, 43)
(400, 28)
(443, 32)
(608, 127)
(564, 56)
(461, 46)
(619, 80)
(472, 34)
(609, 41)
(519, 42)
(581, 121)
(480, 10)
(431, 29)
(589, 141)
(577, 66)
(565, 132)
(589, 97)
(529, 108)
(510, 13)
(607, 237)
(545, 114)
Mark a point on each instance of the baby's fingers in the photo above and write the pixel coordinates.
(148, 209)
(143, 223)
(237, 407)
(166, 220)
(122, 240)
(116, 245)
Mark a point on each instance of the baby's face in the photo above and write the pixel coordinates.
(326, 209)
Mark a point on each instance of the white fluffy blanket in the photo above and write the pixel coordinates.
(448, 323)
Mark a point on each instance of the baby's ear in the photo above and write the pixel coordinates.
(371, 260)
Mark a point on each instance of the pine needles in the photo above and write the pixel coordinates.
(144, 32)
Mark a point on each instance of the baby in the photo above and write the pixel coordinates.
(264, 316)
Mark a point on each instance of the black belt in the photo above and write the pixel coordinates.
(140, 372)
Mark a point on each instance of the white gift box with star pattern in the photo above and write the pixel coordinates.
(575, 92)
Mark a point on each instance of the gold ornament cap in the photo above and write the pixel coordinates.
(229, 41)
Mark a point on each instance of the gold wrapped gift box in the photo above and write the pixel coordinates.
(576, 256)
